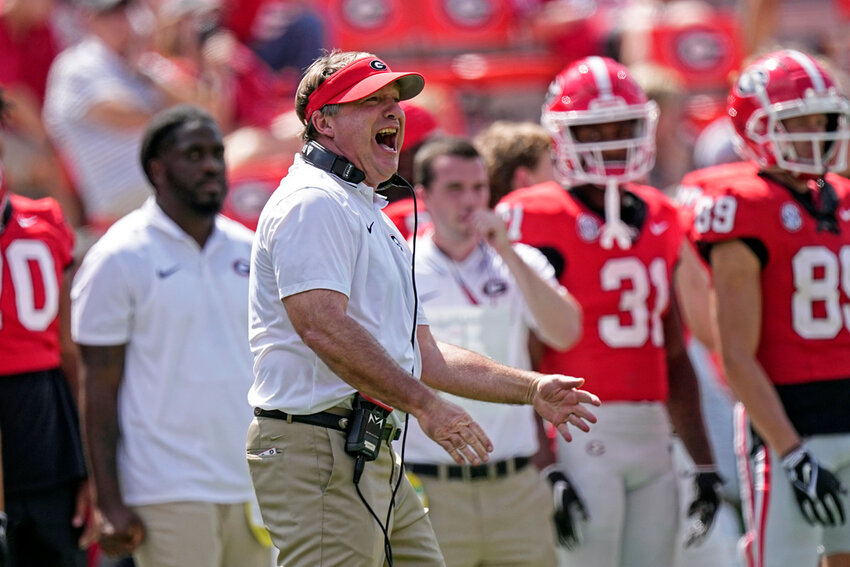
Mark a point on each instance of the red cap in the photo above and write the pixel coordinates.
(360, 79)
(418, 124)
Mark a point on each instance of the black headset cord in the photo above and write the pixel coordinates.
(360, 461)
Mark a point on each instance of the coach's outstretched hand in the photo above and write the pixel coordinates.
(704, 508)
(559, 401)
(818, 492)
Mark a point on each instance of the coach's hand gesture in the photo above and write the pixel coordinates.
(558, 400)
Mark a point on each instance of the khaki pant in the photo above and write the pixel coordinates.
(311, 507)
(202, 534)
(488, 522)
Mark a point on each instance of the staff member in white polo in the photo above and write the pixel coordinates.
(332, 313)
(481, 292)
(160, 313)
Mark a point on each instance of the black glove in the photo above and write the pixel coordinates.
(817, 490)
(704, 508)
(568, 507)
(4, 547)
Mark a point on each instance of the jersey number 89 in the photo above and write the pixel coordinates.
(715, 215)
(818, 275)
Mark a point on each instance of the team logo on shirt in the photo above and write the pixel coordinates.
(242, 267)
(791, 217)
(495, 287)
(587, 227)
(397, 243)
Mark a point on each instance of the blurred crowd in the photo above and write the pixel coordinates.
(84, 76)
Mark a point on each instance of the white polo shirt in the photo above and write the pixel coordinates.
(319, 232)
(477, 304)
(182, 311)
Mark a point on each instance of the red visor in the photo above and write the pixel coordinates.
(360, 79)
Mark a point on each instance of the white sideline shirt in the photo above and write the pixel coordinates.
(319, 232)
(477, 304)
(182, 311)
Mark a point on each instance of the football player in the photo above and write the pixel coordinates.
(614, 244)
(46, 494)
(776, 233)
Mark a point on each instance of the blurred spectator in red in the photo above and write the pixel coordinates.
(27, 48)
(420, 125)
(253, 104)
(286, 34)
(246, 95)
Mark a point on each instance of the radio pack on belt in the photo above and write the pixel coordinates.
(366, 427)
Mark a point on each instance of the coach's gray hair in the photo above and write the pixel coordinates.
(315, 75)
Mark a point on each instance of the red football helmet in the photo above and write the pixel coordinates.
(598, 90)
(782, 85)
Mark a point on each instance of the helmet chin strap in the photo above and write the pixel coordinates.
(614, 230)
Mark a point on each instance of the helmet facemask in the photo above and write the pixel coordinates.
(584, 162)
(578, 162)
(829, 148)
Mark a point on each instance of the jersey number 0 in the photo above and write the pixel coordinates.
(27, 260)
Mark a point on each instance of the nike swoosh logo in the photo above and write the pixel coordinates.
(844, 214)
(657, 228)
(162, 274)
(369, 228)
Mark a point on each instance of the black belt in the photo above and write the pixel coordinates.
(470, 472)
(325, 419)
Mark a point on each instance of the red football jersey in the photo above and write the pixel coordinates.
(624, 294)
(35, 249)
(692, 186)
(805, 281)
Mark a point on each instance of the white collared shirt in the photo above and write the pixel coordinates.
(182, 313)
(319, 232)
(476, 303)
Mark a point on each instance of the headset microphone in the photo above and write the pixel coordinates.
(319, 156)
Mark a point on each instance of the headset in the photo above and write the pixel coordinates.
(318, 156)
